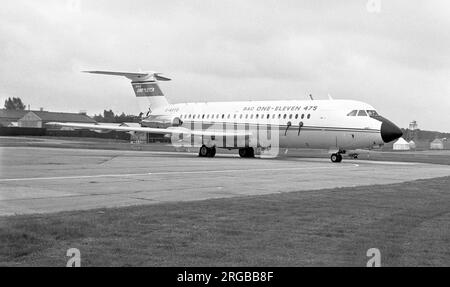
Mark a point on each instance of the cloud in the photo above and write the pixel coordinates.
(395, 60)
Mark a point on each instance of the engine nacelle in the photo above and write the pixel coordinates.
(162, 121)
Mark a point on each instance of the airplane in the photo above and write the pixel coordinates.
(255, 127)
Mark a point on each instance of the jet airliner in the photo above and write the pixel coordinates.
(255, 127)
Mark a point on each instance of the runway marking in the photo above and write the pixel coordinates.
(171, 172)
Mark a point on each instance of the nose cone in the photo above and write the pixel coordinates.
(389, 131)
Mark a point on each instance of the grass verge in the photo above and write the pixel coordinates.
(408, 222)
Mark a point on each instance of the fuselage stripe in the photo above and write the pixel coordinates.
(283, 127)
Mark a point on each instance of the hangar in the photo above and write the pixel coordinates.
(38, 119)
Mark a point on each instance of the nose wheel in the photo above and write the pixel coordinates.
(206, 151)
(336, 157)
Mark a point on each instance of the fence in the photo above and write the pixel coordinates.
(16, 131)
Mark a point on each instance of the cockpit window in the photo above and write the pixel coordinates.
(352, 113)
(372, 113)
(362, 113)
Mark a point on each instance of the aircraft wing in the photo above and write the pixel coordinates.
(170, 130)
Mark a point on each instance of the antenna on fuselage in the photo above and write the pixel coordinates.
(312, 99)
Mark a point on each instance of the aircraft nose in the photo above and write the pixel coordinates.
(389, 131)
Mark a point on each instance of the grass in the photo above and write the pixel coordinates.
(408, 222)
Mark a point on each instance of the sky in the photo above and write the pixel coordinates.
(394, 55)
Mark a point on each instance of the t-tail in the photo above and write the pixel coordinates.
(145, 85)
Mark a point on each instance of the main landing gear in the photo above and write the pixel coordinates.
(336, 157)
(207, 151)
(247, 152)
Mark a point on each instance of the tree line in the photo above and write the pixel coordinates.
(16, 104)
(110, 117)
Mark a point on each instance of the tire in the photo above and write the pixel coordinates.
(204, 151)
(212, 152)
(247, 152)
(336, 157)
(243, 152)
(251, 152)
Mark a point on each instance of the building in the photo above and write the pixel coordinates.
(136, 137)
(7, 123)
(10, 118)
(401, 144)
(412, 145)
(39, 119)
(437, 144)
(411, 132)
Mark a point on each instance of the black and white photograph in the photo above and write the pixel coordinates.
(226, 134)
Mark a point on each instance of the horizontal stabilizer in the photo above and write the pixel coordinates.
(134, 76)
(145, 86)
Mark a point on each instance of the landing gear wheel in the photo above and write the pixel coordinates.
(246, 152)
(212, 152)
(204, 151)
(251, 152)
(242, 152)
(336, 157)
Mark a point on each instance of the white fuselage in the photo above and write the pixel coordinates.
(322, 124)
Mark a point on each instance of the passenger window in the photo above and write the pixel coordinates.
(352, 113)
(268, 116)
(279, 116)
(240, 116)
(296, 116)
(257, 115)
(251, 116)
(284, 116)
(309, 116)
(273, 116)
(290, 116)
(362, 113)
(303, 116)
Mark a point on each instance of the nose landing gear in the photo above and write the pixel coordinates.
(336, 157)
